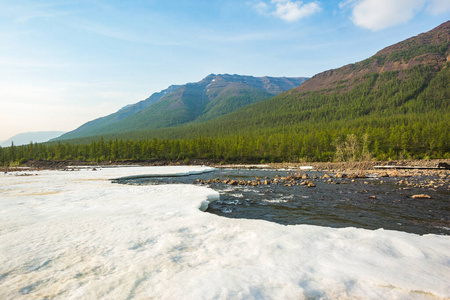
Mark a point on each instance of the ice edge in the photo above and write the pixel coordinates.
(203, 205)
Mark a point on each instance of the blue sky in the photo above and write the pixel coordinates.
(63, 63)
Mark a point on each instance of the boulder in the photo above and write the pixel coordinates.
(421, 196)
(311, 184)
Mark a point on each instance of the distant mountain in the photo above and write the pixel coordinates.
(35, 137)
(91, 127)
(211, 97)
(400, 97)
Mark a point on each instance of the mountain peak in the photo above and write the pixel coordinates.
(214, 95)
(438, 36)
(431, 48)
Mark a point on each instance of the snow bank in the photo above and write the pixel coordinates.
(76, 235)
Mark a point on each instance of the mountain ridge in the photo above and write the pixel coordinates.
(27, 137)
(430, 47)
(212, 96)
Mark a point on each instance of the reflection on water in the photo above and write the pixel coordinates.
(365, 203)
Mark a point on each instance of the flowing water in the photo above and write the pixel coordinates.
(369, 203)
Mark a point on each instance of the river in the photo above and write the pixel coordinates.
(369, 203)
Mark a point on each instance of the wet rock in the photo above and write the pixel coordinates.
(310, 184)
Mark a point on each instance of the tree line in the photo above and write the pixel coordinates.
(320, 145)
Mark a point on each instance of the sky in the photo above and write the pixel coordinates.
(66, 62)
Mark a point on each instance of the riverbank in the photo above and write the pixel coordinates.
(319, 166)
(426, 178)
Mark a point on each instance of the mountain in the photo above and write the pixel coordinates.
(426, 49)
(399, 97)
(392, 105)
(91, 127)
(35, 137)
(209, 98)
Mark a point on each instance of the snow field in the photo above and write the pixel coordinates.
(76, 235)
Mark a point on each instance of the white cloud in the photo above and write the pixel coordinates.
(262, 8)
(381, 14)
(287, 10)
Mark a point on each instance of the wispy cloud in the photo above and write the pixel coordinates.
(123, 35)
(381, 14)
(25, 12)
(287, 10)
(246, 37)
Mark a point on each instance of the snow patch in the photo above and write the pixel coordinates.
(78, 235)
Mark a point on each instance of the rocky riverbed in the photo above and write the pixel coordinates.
(415, 201)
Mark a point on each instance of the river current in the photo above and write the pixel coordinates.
(369, 203)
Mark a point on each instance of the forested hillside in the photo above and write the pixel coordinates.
(395, 104)
(213, 96)
(95, 126)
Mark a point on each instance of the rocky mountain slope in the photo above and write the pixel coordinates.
(429, 48)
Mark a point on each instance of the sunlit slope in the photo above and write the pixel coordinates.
(101, 124)
(409, 79)
(213, 96)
